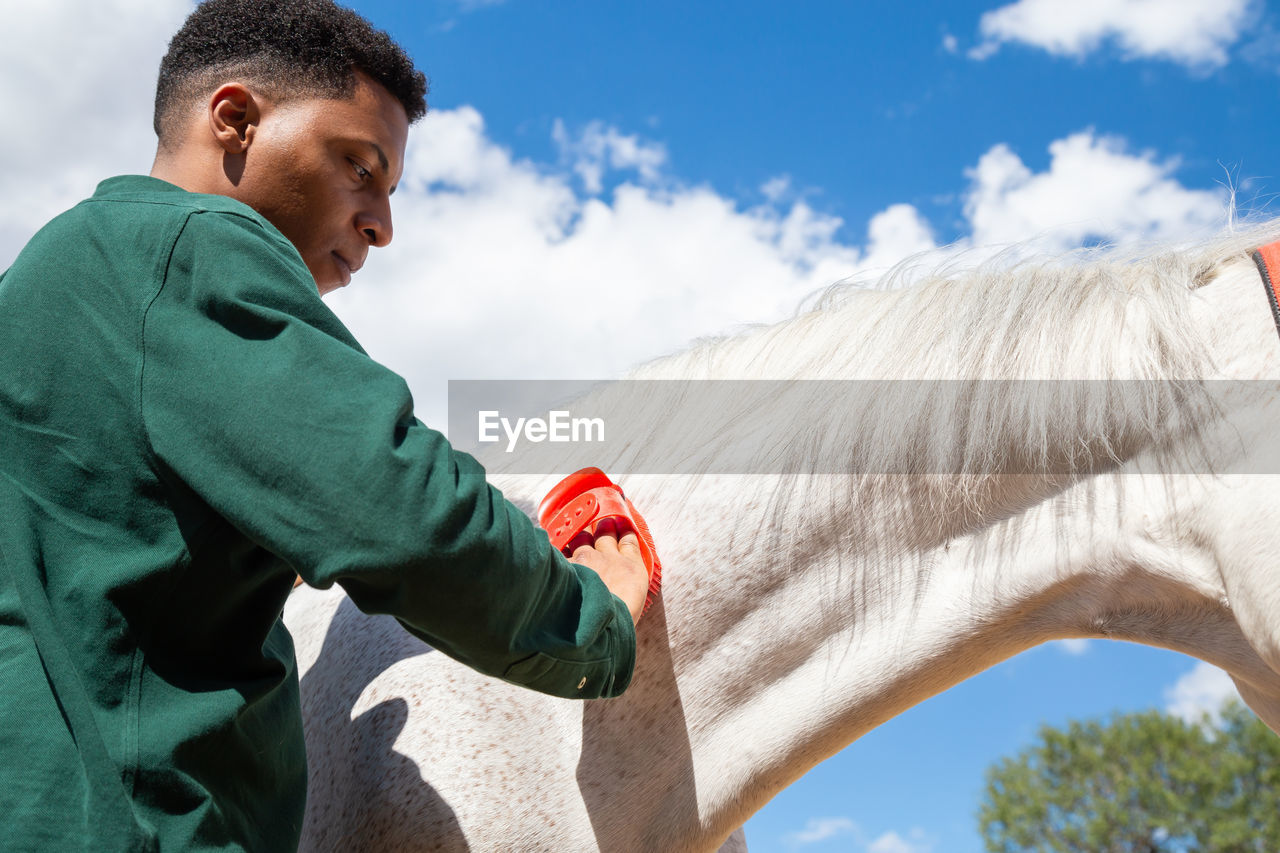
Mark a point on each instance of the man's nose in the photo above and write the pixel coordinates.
(375, 224)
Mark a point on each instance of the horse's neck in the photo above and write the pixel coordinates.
(1116, 556)
(753, 674)
(831, 647)
(769, 653)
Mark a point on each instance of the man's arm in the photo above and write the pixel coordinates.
(257, 398)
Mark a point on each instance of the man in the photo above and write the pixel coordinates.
(185, 425)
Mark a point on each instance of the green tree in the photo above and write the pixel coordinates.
(1139, 783)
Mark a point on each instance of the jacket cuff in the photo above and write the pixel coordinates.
(598, 678)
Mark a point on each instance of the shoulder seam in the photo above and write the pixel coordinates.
(142, 339)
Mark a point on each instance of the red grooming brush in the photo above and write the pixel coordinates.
(585, 498)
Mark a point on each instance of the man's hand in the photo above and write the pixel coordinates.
(617, 562)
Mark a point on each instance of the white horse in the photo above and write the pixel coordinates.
(799, 612)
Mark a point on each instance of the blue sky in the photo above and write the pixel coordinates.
(862, 104)
(705, 165)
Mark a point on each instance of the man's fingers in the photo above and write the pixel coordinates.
(606, 535)
(614, 536)
(577, 543)
(629, 544)
(605, 540)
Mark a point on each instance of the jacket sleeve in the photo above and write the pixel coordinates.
(258, 399)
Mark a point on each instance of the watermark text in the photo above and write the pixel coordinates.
(558, 426)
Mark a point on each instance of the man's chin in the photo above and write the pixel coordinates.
(328, 280)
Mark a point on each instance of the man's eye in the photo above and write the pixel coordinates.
(361, 171)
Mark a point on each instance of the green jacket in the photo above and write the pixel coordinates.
(183, 426)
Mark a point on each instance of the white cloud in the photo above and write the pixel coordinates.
(599, 148)
(776, 188)
(1195, 33)
(1074, 647)
(1201, 691)
(78, 86)
(950, 43)
(985, 50)
(1093, 189)
(821, 829)
(892, 842)
(895, 233)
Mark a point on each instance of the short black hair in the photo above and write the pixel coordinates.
(289, 48)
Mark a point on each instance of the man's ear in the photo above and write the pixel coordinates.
(233, 117)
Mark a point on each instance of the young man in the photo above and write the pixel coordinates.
(185, 425)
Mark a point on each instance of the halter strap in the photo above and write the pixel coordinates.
(1268, 260)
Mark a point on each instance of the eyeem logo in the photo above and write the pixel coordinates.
(557, 427)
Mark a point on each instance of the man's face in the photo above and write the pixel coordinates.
(322, 171)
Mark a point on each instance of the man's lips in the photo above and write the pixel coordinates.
(347, 267)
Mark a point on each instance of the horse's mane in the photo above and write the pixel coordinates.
(1096, 312)
(955, 377)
